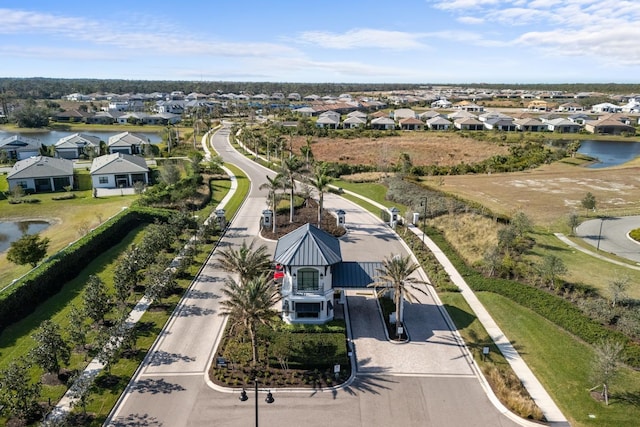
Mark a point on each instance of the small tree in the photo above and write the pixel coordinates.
(170, 174)
(605, 365)
(80, 391)
(52, 349)
(78, 327)
(589, 202)
(573, 220)
(29, 249)
(96, 299)
(550, 268)
(618, 290)
(17, 393)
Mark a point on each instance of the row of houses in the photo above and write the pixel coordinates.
(463, 119)
(39, 174)
(76, 146)
(113, 116)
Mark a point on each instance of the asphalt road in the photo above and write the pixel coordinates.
(428, 382)
(610, 235)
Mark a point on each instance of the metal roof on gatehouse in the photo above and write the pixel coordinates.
(308, 245)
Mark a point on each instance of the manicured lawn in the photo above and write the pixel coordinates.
(562, 363)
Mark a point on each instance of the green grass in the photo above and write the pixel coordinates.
(241, 192)
(562, 363)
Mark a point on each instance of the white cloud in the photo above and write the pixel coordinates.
(364, 38)
(470, 20)
(463, 4)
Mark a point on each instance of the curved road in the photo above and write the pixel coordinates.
(428, 382)
(610, 235)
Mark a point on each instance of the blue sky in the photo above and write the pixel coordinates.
(413, 41)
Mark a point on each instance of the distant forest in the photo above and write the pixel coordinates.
(53, 88)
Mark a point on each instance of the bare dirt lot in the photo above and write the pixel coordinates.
(424, 148)
(549, 193)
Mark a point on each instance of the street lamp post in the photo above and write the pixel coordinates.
(423, 203)
(599, 234)
(243, 397)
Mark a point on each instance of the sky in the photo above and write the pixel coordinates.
(329, 41)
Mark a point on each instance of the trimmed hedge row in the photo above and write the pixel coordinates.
(552, 307)
(50, 276)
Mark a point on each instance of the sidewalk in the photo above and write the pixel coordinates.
(550, 410)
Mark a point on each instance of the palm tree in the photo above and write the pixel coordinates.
(290, 168)
(394, 274)
(273, 185)
(245, 261)
(306, 150)
(320, 181)
(251, 304)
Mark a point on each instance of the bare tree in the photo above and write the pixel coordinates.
(606, 365)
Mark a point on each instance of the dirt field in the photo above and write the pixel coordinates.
(424, 148)
(549, 193)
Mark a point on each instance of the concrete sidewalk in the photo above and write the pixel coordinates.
(544, 401)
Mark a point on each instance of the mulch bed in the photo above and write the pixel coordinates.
(306, 214)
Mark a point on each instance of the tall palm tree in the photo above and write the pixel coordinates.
(394, 274)
(251, 304)
(320, 181)
(245, 261)
(273, 185)
(290, 171)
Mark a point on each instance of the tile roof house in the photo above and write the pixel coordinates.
(563, 125)
(127, 142)
(403, 113)
(438, 123)
(77, 145)
(41, 174)
(608, 126)
(118, 170)
(529, 125)
(411, 123)
(468, 123)
(354, 122)
(383, 123)
(20, 147)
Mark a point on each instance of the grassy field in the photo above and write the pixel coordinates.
(562, 363)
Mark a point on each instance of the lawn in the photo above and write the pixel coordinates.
(562, 363)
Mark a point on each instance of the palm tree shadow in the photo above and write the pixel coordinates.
(137, 420)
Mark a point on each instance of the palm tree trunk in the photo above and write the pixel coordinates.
(320, 202)
(254, 342)
(291, 196)
(399, 313)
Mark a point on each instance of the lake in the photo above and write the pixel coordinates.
(610, 153)
(12, 231)
(51, 137)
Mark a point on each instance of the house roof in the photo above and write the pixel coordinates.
(20, 142)
(118, 163)
(411, 121)
(127, 139)
(382, 121)
(609, 123)
(353, 120)
(41, 167)
(469, 121)
(308, 245)
(78, 140)
(438, 121)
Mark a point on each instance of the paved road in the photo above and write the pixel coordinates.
(427, 382)
(610, 235)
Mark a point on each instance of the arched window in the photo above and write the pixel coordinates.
(308, 279)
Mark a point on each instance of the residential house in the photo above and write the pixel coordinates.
(132, 118)
(127, 143)
(563, 125)
(429, 114)
(538, 105)
(460, 114)
(103, 118)
(383, 123)
(468, 106)
(354, 122)
(579, 118)
(118, 170)
(633, 106)
(606, 107)
(529, 125)
(77, 145)
(468, 123)
(70, 116)
(305, 111)
(358, 113)
(294, 96)
(328, 119)
(438, 123)
(609, 126)
(411, 123)
(500, 123)
(41, 174)
(441, 103)
(403, 113)
(570, 107)
(18, 147)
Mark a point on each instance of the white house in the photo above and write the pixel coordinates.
(20, 147)
(76, 145)
(438, 123)
(383, 123)
(606, 107)
(127, 142)
(41, 174)
(404, 113)
(118, 170)
(563, 125)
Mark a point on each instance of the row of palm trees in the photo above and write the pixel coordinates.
(285, 179)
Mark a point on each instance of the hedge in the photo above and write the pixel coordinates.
(49, 277)
(552, 307)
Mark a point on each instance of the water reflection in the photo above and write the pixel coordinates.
(12, 231)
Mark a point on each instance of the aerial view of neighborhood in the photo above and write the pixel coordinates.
(211, 220)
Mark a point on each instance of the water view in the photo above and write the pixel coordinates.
(51, 137)
(12, 231)
(610, 153)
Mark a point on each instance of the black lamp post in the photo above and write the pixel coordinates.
(424, 217)
(243, 397)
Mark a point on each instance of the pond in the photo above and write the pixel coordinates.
(10, 231)
(610, 153)
(51, 137)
